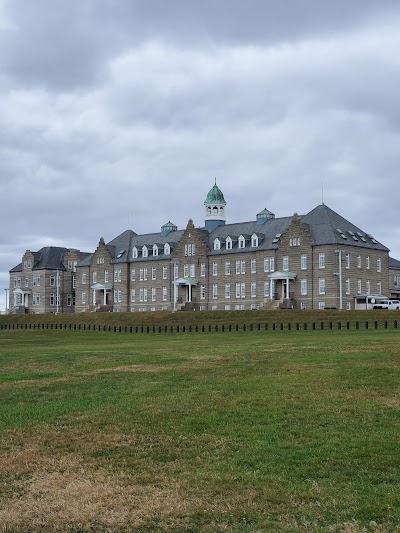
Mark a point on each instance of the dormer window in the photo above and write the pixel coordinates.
(134, 252)
(167, 249)
(228, 243)
(254, 240)
(242, 242)
(145, 251)
(155, 250)
(217, 244)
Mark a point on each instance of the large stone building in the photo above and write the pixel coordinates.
(317, 260)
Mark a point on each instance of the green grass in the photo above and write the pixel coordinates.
(239, 432)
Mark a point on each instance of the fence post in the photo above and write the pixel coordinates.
(348, 325)
(366, 324)
(339, 325)
(395, 324)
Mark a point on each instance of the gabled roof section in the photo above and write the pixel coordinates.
(328, 227)
(394, 263)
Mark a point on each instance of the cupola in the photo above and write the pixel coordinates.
(214, 208)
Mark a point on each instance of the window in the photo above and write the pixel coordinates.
(144, 273)
(53, 281)
(228, 243)
(34, 298)
(367, 263)
(379, 287)
(217, 244)
(95, 277)
(237, 290)
(303, 262)
(227, 268)
(73, 281)
(106, 276)
(185, 271)
(52, 299)
(141, 294)
(176, 271)
(253, 266)
(83, 278)
(321, 305)
(215, 291)
(368, 287)
(266, 264)
(321, 262)
(167, 249)
(378, 265)
(164, 272)
(272, 264)
(164, 294)
(266, 289)
(321, 288)
(84, 298)
(253, 289)
(359, 286)
(347, 261)
(153, 294)
(134, 252)
(237, 267)
(26, 281)
(359, 261)
(38, 280)
(254, 241)
(243, 290)
(18, 281)
(348, 306)
(242, 242)
(215, 269)
(69, 300)
(153, 272)
(133, 295)
(117, 275)
(285, 262)
(155, 250)
(227, 290)
(70, 264)
(145, 251)
(303, 287)
(192, 270)
(202, 270)
(242, 266)
(295, 241)
(202, 292)
(133, 274)
(145, 295)
(347, 285)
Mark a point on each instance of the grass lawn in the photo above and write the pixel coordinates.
(205, 432)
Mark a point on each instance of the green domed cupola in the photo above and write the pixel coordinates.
(215, 196)
(215, 208)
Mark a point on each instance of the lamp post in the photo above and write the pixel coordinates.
(6, 310)
(340, 278)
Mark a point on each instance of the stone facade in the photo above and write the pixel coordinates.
(314, 261)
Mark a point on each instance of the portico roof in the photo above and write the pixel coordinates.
(282, 275)
(101, 286)
(186, 281)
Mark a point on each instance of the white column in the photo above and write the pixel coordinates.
(283, 289)
(94, 296)
(105, 297)
(189, 292)
(271, 284)
(287, 289)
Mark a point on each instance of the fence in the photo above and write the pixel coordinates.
(288, 326)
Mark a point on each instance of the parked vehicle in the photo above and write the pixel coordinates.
(387, 304)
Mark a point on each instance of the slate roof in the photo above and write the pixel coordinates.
(49, 258)
(394, 263)
(324, 224)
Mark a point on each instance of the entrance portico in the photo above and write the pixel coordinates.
(21, 296)
(101, 287)
(184, 295)
(284, 279)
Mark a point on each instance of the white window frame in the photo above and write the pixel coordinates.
(321, 286)
(253, 289)
(165, 272)
(303, 262)
(215, 291)
(215, 269)
(321, 260)
(227, 290)
(202, 270)
(217, 244)
(253, 267)
(285, 263)
(227, 268)
(228, 243)
(145, 251)
(303, 290)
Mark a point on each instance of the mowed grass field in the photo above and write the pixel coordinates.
(204, 432)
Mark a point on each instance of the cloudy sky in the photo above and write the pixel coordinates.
(120, 113)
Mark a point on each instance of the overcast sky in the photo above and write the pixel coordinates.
(120, 113)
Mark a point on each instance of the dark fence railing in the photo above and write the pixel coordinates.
(274, 326)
